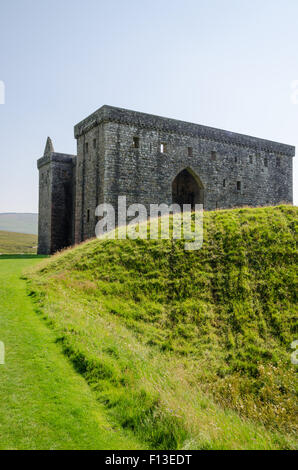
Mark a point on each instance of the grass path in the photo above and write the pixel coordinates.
(44, 403)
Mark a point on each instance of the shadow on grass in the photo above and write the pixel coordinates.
(25, 256)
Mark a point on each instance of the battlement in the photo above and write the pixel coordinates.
(149, 121)
(56, 157)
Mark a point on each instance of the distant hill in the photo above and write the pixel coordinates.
(13, 242)
(19, 222)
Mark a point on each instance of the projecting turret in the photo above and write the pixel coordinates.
(56, 199)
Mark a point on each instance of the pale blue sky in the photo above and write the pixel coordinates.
(222, 63)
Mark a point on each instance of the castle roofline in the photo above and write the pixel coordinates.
(149, 121)
(55, 157)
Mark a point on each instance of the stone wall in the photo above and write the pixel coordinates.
(232, 169)
(89, 181)
(56, 202)
(44, 207)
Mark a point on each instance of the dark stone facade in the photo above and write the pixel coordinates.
(56, 200)
(151, 159)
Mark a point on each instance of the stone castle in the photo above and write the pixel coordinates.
(152, 159)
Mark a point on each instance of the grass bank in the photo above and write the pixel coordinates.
(186, 349)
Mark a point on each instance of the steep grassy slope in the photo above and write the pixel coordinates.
(188, 349)
(12, 242)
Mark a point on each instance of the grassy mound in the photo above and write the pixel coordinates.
(188, 349)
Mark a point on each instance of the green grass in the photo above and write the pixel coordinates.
(44, 403)
(186, 349)
(12, 242)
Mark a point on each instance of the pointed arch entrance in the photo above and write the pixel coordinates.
(187, 188)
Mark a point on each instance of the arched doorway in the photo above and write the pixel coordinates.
(187, 189)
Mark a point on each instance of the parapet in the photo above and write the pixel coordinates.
(49, 155)
(148, 121)
(56, 157)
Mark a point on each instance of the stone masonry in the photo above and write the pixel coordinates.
(56, 200)
(151, 159)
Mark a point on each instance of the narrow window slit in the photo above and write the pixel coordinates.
(136, 142)
(163, 147)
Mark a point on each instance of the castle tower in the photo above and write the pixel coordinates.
(152, 159)
(56, 195)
